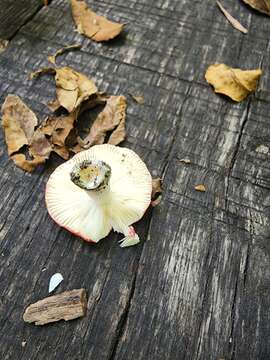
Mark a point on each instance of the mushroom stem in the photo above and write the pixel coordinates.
(91, 175)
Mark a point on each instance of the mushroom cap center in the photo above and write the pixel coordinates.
(91, 174)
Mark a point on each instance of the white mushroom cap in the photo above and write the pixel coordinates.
(91, 214)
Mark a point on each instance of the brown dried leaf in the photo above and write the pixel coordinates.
(52, 58)
(18, 122)
(59, 128)
(139, 99)
(235, 83)
(27, 165)
(112, 117)
(156, 192)
(40, 147)
(19, 125)
(96, 27)
(200, 188)
(259, 5)
(47, 70)
(3, 45)
(72, 88)
(235, 23)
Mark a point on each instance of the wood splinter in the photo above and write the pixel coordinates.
(66, 306)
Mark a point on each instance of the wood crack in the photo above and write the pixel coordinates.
(235, 153)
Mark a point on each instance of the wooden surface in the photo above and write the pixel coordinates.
(198, 286)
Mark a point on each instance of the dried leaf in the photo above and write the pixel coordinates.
(259, 5)
(52, 58)
(73, 88)
(200, 188)
(18, 122)
(235, 23)
(3, 45)
(58, 129)
(27, 165)
(185, 161)
(55, 280)
(156, 191)
(96, 27)
(112, 117)
(39, 145)
(235, 83)
(37, 73)
(19, 125)
(139, 99)
(54, 105)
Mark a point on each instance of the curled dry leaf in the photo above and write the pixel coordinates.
(111, 118)
(94, 26)
(19, 124)
(52, 58)
(260, 5)
(156, 192)
(3, 45)
(72, 87)
(25, 164)
(37, 73)
(200, 188)
(235, 23)
(235, 83)
(58, 130)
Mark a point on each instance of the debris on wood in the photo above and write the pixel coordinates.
(66, 306)
(260, 5)
(262, 149)
(139, 99)
(19, 124)
(58, 129)
(235, 83)
(3, 45)
(235, 23)
(156, 192)
(52, 58)
(55, 281)
(200, 187)
(72, 87)
(185, 161)
(94, 26)
(112, 118)
(46, 70)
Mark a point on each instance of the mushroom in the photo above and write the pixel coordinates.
(100, 189)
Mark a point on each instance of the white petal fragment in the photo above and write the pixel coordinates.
(55, 280)
(129, 241)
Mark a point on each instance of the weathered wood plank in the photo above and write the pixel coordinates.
(198, 288)
(14, 14)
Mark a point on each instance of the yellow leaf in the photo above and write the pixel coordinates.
(96, 27)
(235, 83)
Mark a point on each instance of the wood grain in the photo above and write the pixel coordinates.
(197, 287)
